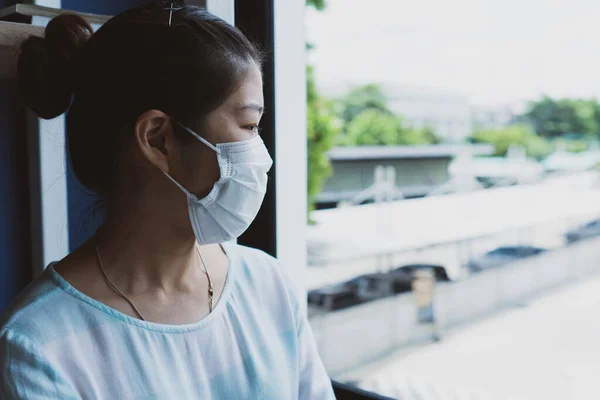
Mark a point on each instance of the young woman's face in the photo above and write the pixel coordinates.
(235, 120)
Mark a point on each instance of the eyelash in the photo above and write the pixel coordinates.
(258, 128)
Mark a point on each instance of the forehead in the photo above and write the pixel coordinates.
(250, 90)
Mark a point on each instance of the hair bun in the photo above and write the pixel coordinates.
(46, 70)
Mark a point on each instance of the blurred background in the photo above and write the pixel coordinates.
(436, 186)
(454, 196)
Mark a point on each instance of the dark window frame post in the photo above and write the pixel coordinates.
(255, 18)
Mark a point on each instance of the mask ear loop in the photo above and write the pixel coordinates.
(200, 138)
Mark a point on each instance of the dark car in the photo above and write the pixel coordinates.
(441, 275)
(339, 295)
(501, 256)
(585, 231)
(401, 281)
(379, 285)
(360, 289)
(334, 297)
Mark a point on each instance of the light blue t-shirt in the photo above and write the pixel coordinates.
(57, 343)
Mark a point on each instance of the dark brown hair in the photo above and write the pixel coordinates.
(135, 62)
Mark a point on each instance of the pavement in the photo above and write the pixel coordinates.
(548, 349)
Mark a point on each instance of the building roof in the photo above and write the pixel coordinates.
(497, 167)
(564, 161)
(407, 152)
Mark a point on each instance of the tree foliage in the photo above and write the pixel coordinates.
(373, 127)
(322, 130)
(323, 127)
(552, 118)
(367, 97)
(318, 4)
(424, 135)
(521, 135)
(368, 121)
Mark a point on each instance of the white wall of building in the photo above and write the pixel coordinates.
(448, 114)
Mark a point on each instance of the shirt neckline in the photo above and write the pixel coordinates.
(154, 326)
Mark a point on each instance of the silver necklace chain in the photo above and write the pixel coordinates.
(116, 289)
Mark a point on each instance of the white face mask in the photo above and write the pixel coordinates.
(232, 204)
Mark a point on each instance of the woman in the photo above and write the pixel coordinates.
(163, 111)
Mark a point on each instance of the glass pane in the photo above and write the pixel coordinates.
(454, 241)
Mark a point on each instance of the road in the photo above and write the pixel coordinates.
(548, 349)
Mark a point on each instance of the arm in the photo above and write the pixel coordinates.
(314, 383)
(26, 374)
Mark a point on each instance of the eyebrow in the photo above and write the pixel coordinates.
(252, 107)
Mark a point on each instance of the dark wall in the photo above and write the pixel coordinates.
(106, 7)
(255, 19)
(83, 217)
(6, 3)
(15, 238)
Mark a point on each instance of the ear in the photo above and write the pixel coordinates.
(154, 137)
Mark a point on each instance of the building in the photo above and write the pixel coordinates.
(494, 117)
(418, 169)
(448, 114)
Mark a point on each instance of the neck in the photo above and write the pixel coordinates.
(143, 253)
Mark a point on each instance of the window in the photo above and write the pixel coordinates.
(516, 215)
(406, 261)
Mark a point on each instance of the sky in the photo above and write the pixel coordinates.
(494, 52)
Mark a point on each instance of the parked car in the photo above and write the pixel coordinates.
(440, 272)
(334, 297)
(360, 289)
(401, 281)
(585, 231)
(379, 285)
(501, 256)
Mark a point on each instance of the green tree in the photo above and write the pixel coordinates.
(553, 118)
(367, 97)
(322, 129)
(373, 127)
(317, 4)
(369, 121)
(421, 136)
(522, 135)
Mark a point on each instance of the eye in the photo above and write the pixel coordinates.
(254, 129)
